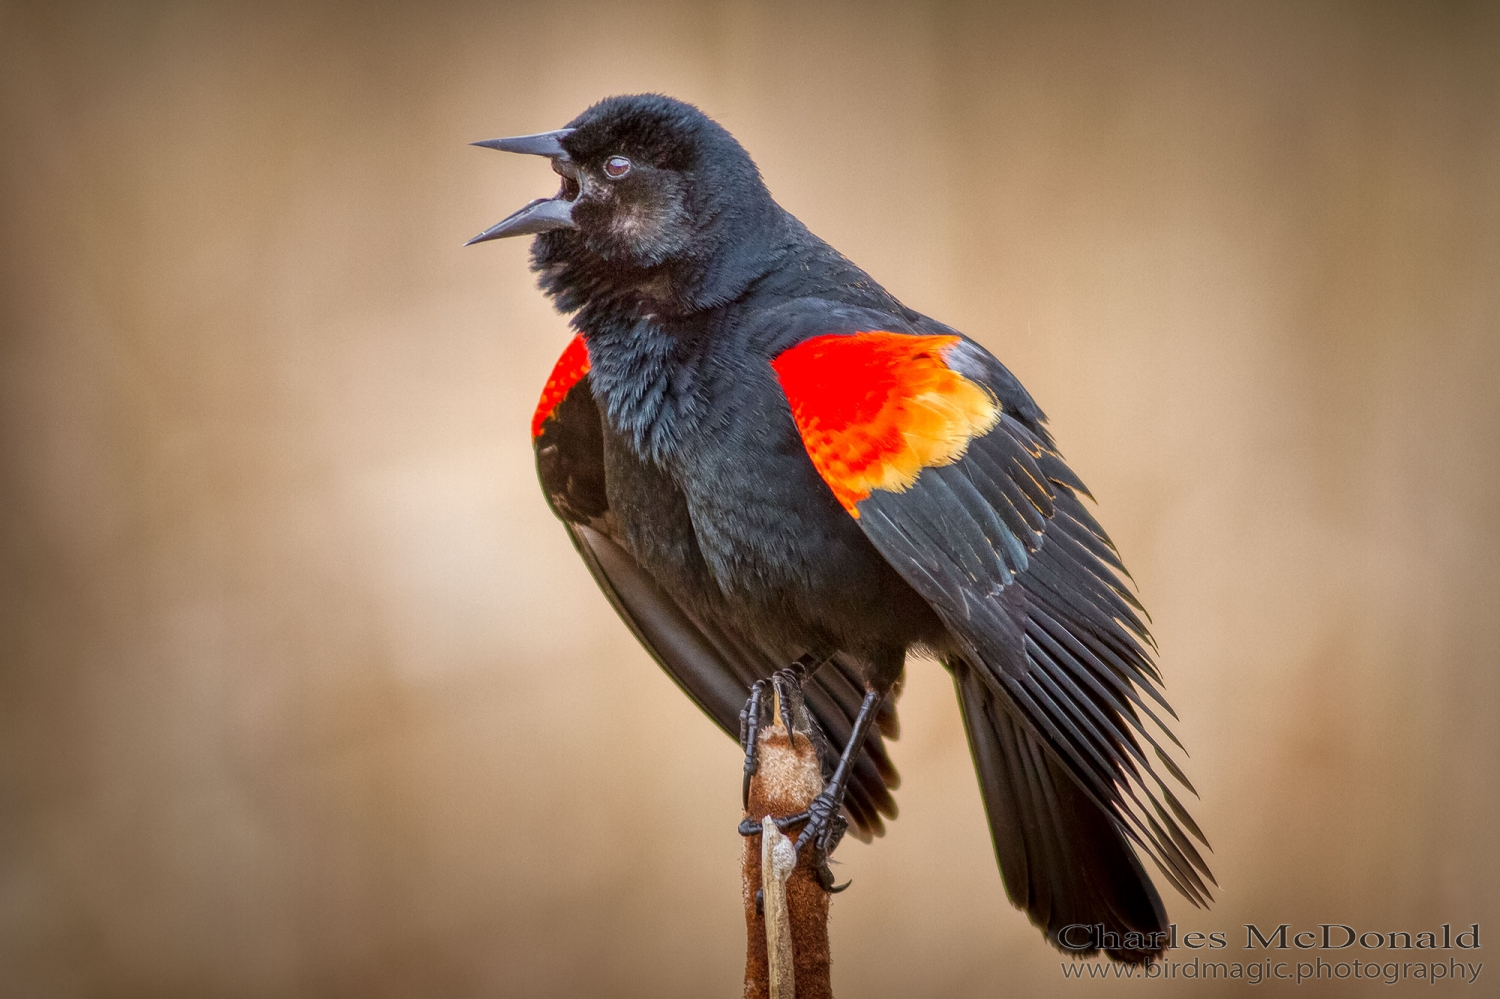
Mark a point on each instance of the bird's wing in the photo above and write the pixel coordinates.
(932, 445)
(713, 664)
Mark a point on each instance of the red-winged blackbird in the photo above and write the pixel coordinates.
(779, 473)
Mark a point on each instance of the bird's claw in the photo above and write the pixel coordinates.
(788, 685)
(825, 827)
(825, 878)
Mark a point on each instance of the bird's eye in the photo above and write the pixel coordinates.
(616, 167)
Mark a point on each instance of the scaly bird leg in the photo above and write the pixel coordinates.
(750, 722)
(825, 824)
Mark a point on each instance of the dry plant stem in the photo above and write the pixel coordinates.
(778, 858)
(787, 781)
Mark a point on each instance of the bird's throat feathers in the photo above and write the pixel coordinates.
(648, 380)
(717, 269)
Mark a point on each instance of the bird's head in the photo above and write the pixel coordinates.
(656, 198)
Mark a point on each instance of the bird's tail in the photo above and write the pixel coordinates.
(1062, 858)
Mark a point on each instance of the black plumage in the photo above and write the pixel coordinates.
(690, 491)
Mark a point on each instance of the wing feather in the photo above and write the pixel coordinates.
(993, 534)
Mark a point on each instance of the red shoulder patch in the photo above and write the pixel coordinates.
(567, 372)
(876, 408)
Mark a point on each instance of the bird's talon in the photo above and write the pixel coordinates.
(825, 876)
(788, 683)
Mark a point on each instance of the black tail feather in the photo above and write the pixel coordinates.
(1063, 859)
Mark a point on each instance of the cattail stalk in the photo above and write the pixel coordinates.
(787, 938)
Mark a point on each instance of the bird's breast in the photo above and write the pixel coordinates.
(734, 506)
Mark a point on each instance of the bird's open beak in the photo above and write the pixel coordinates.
(543, 214)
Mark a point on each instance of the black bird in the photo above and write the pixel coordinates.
(778, 473)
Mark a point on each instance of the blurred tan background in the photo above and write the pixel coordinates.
(303, 693)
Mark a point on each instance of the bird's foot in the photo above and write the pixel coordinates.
(823, 826)
(823, 823)
(754, 716)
